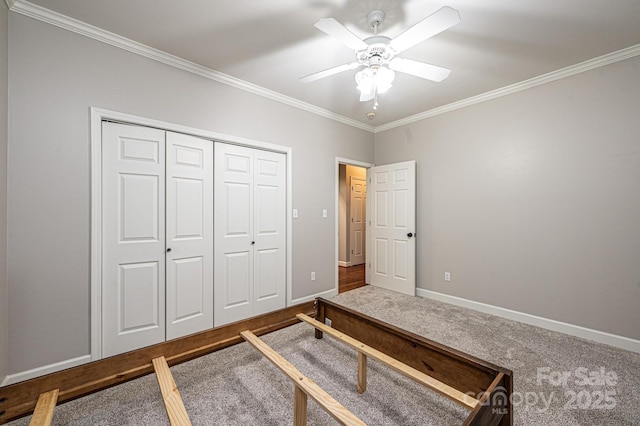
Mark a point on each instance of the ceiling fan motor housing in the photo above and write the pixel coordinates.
(377, 52)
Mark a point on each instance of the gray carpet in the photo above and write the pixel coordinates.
(237, 386)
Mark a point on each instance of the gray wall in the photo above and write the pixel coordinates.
(532, 201)
(55, 76)
(4, 307)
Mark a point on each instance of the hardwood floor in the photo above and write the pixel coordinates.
(350, 278)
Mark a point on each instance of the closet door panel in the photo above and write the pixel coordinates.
(269, 215)
(133, 215)
(138, 293)
(189, 225)
(266, 274)
(237, 280)
(234, 230)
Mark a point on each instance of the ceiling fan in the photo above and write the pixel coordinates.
(378, 53)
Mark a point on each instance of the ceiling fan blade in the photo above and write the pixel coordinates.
(338, 31)
(331, 71)
(419, 69)
(440, 20)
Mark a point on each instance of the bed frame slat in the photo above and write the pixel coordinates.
(410, 372)
(46, 405)
(172, 401)
(303, 383)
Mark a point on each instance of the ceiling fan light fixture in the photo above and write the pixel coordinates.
(376, 80)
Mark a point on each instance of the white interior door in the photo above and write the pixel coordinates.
(233, 227)
(133, 235)
(250, 245)
(269, 219)
(189, 230)
(357, 230)
(392, 190)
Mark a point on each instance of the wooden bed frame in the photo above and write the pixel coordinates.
(481, 387)
(465, 374)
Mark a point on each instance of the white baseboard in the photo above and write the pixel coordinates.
(45, 369)
(344, 264)
(325, 294)
(549, 324)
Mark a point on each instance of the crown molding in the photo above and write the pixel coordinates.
(62, 21)
(569, 71)
(37, 12)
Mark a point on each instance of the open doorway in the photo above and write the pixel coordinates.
(352, 226)
(390, 245)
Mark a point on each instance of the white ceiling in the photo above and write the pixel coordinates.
(272, 43)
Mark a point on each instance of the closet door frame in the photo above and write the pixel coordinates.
(98, 115)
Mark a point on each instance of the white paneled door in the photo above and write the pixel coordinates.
(358, 215)
(189, 235)
(133, 235)
(157, 233)
(250, 255)
(392, 197)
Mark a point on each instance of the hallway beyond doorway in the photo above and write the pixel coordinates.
(351, 277)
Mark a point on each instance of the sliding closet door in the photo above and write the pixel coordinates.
(133, 235)
(249, 222)
(189, 247)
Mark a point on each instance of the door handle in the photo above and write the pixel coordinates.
(253, 242)
(169, 250)
(409, 235)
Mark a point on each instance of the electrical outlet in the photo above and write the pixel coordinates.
(447, 276)
(313, 276)
(327, 321)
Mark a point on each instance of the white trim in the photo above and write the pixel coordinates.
(325, 294)
(96, 233)
(45, 369)
(569, 71)
(289, 196)
(62, 21)
(546, 323)
(344, 264)
(97, 116)
(336, 214)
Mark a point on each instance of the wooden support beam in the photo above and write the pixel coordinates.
(172, 401)
(410, 372)
(362, 372)
(43, 414)
(326, 401)
(299, 407)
